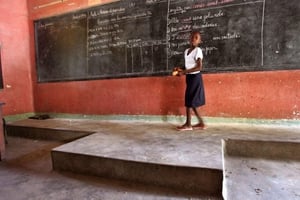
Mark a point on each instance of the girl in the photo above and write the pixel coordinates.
(194, 93)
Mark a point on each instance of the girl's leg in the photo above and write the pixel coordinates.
(201, 123)
(188, 124)
(188, 117)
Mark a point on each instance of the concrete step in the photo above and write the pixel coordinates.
(107, 156)
(45, 133)
(261, 170)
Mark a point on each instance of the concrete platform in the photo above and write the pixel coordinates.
(159, 161)
(46, 130)
(26, 173)
(201, 147)
(152, 153)
(261, 170)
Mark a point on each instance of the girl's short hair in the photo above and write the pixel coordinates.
(193, 32)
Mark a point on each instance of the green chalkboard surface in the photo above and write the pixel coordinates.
(282, 34)
(120, 39)
(127, 38)
(61, 48)
(231, 32)
(131, 38)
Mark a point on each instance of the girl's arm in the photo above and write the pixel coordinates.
(198, 67)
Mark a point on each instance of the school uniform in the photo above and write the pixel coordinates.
(194, 93)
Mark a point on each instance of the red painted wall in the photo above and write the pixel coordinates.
(272, 94)
(254, 95)
(15, 57)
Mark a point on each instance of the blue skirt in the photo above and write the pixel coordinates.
(194, 93)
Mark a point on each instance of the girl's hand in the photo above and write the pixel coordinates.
(177, 71)
(180, 72)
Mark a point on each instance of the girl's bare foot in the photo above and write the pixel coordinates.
(185, 127)
(200, 126)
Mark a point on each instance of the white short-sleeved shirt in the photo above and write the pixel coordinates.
(191, 59)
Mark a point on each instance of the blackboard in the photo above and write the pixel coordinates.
(231, 32)
(131, 38)
(127, 38)
(120, 39)
(61, 48)
(281, 34)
